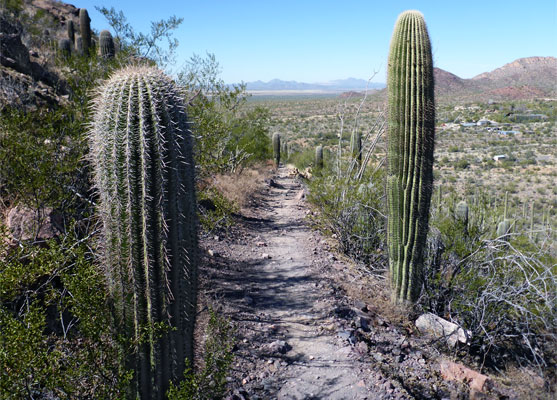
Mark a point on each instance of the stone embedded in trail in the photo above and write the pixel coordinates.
(279, 346)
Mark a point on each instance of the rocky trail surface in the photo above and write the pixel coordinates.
(299, 335)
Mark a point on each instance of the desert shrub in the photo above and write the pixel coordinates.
(462, 163)
(503, 290)
(229, 136)
(214, 209)
(210, 381)
(303, 159)
(354, 212)
(41, 154)
(55, 339)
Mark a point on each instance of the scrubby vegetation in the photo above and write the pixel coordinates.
(59, 333)
(490, 259)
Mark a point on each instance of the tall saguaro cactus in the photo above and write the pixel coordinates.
(319, 157)
(106, 44)
(276, 148)
(85, 29)
(70, 30)
(141, 149)
(410, 152)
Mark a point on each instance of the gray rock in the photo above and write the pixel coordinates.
(442, 328)
(279, 346)
(27, 224)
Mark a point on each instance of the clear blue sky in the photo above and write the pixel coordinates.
(321, 40)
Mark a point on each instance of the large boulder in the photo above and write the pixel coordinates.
(13, 53)
(25, 223)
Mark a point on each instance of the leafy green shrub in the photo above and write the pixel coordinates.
(303, 159)
(462, 163)
(41, 154)
(503, 291)
(214, 210)
(229, 136)
(354, 212)
(55, 338)
(210, 381)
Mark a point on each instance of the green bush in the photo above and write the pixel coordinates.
(210, 381)
(503, 291)
(354, 212)
(41, 154)
(55, 338)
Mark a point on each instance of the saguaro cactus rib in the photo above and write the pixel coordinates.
(410, 151)
(142, 154)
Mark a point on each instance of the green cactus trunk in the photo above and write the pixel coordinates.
(506, 209)
(504, 228)
(79, 45)
(410, 152)
(70, 30)
(85, 29)
(141, 150)
(319, 157)
(106, 45)
(276, 148)
(284, 149)
(356, 147)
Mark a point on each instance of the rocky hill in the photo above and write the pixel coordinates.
(524, 78)
(28, 37)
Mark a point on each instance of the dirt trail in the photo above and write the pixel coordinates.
(300, 336)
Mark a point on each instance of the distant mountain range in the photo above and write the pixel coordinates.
(523, 78)
(338, 85)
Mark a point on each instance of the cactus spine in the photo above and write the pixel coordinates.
(276, 148)
(106, 44)
(85, 29)
(319, 157)
(410, 152)
(141, 149)
(356, 147)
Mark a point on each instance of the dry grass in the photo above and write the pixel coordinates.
(239, 188)
(527, 383)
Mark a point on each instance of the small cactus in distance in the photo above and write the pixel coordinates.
(411, 131)
(141, 151)
(284, 149)
(106, 44)
(85, 29)
(506, 209)
(462, 213)
(276, 148)
(504, 228)
(79, 45)
(70, 29)
(319, 157)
